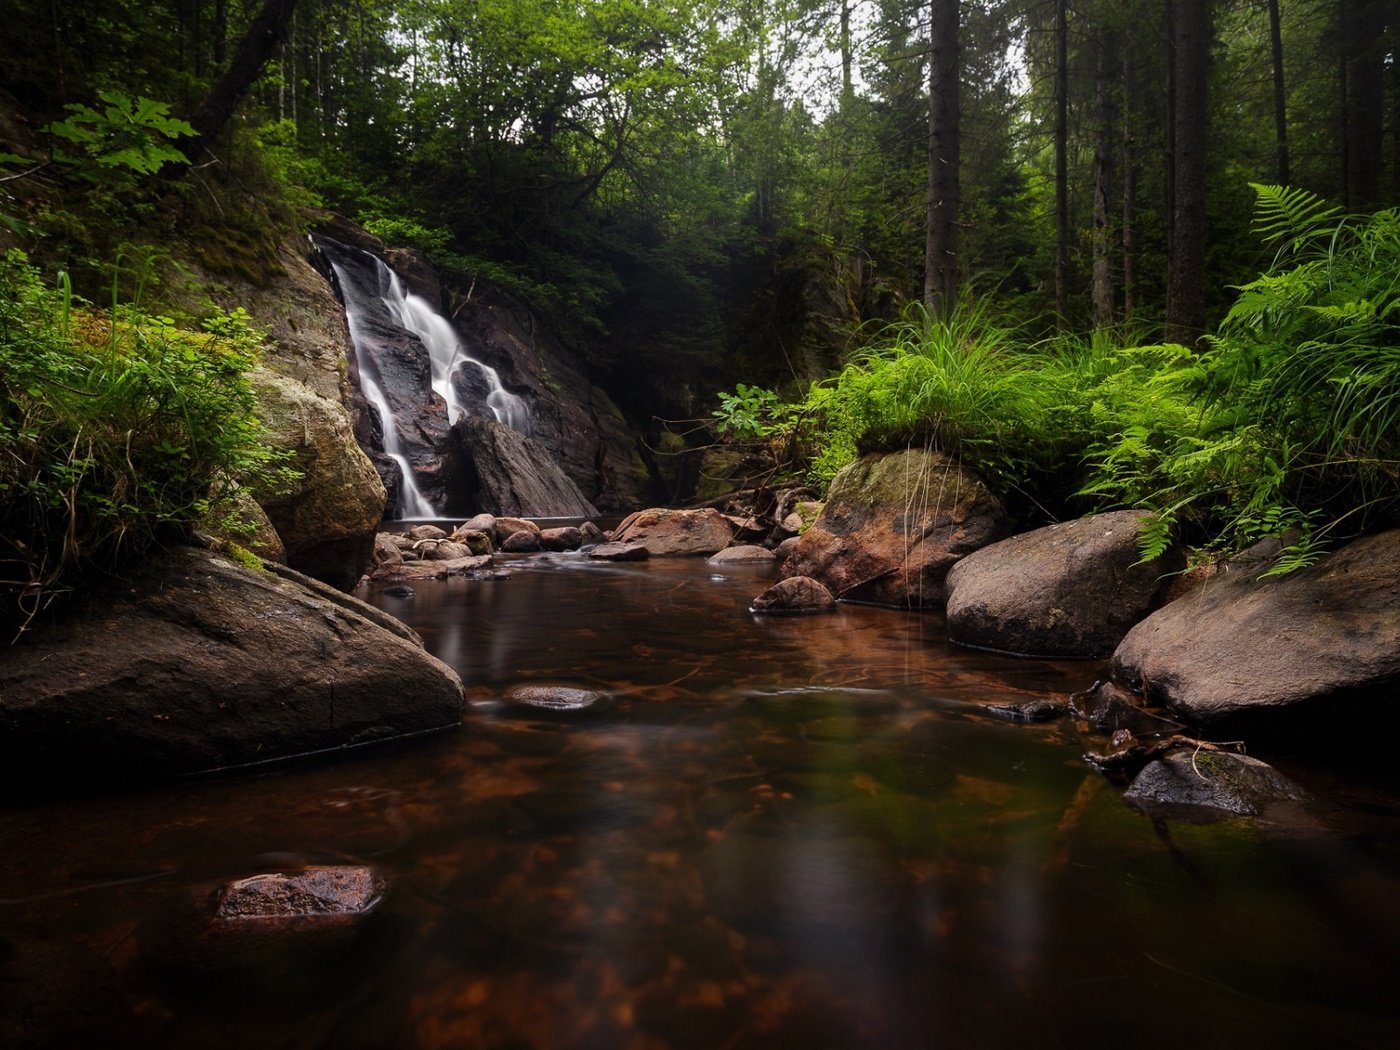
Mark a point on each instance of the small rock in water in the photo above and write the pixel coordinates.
(426, 532)
(620, 552)
(748, 553)
(591, 534)
(1029, 710)
(796, 594)
(555, 699)
(319, 890)
(567, 538)
(399, 590)
(521, 542)
(1211, 780)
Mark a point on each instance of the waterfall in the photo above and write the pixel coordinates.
(374, 296)
(412, 503)
(415, 314)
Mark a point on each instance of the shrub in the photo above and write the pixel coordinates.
(116, 432)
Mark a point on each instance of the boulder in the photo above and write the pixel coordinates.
(1240, 644)
(512, 474)
(748, 554)
(196, 663)
(796, 594)
(386, 551)
(1067, 590)
(276, 919)
(522, 542)
(475, 542)
(1214, 780)
(427, 569)
(328, 517)
(426, 532)
(620, 552)
(666, 533)
(446, 550)
(567, 538)
(479, 523)
(893, 525)
(506, 527)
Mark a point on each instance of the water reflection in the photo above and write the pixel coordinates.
(780, 833)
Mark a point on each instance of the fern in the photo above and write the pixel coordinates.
(1293, 218)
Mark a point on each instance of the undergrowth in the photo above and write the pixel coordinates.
(117, 431)
(1287, 425)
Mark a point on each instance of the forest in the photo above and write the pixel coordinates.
(1111, 253)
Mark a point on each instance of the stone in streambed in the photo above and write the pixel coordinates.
(796, 594)
(1213, 780)
(567, 538)
(1029, 710)
(554, 700)
(669, 533)
(620, 552)
(892, 527)
(1240, 644)
(196, 663)
(748, 554)
(521, 542)
(1073, 589)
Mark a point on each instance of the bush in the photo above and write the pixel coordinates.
(116, 433)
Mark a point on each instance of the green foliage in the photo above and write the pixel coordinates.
(750, 412)
(115, 434)
(1292, 421)
(127, 134)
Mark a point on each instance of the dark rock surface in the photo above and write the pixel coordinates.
(619, 552)
(892, 527)
(1068, 590)
(1228, 783)
(667, 533)
(555, 699)
(567, 538)
(1238, 644)
(796, 594)
(507, 473)
(195, 663)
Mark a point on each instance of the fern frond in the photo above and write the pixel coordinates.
(1291, 217)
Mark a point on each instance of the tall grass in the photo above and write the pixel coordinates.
(116, 431)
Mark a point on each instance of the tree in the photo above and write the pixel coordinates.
(257, 46)
(1186, 276)
(944, 158)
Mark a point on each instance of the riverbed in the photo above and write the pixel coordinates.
(771, 832)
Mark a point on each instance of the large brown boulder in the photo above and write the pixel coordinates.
(196, 663)
(893, 525)
(327, 518)
(1239, 643)
(676, 532)
(1067, 590)
(508, 473)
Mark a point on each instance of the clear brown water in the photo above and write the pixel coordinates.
(781, 833)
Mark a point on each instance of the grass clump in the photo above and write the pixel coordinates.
(117, 431)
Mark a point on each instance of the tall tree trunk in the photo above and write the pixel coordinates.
(1186, 259)
(1170, 181)
(252, 54)
(1105, 117)
(1129, 194)
(847, 84)
(941, 245)
(1280, 96)
(1061, 163)
(1364, 47)
(220, 32)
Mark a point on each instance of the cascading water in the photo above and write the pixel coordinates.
(415, 314)
(374, 294)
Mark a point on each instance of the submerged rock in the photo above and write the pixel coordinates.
(1068, 590)
(665, 533)
(196, 663)
(567, 538)
(796, 594)
(748, 554)
(434, 570)
(1214, 780)
(1239, 644)
(555, 699)
(893, 525)
(1029, 710)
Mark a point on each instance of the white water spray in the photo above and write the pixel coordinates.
(415, 314)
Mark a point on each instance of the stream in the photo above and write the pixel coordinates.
(783, 832)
